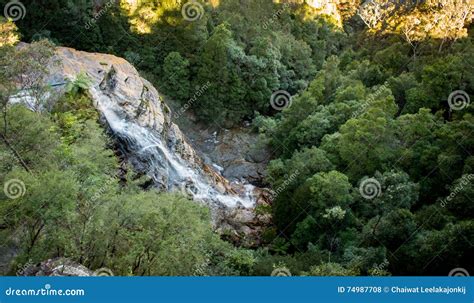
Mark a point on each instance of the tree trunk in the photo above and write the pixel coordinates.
(15, 153)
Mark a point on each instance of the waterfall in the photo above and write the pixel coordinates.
(145, 149)
(138, 120)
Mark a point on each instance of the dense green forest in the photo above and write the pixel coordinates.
(368, 118)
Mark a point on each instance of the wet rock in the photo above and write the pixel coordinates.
(58, 267)
(237, 151)
(244, 170)
(245, 216)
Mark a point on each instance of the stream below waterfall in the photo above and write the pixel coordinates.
(147, 152)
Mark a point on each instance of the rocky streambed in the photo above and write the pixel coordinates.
(236, 153)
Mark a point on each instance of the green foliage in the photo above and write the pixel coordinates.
(165, 235)
(217, 66)
(329, 189)
(78, 85)
(72, 205)
(43, 214)
(246, 51)
(8, 34)
(458, 202)
(392, 229)
(366, 260)
(330, 269)
(24, 71)
(31, 136)
(176, 76)
(363, 107)
(375, 111)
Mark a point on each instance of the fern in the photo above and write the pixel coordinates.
(78, 85)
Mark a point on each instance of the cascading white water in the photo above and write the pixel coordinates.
(145, 149)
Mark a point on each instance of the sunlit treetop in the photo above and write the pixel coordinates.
(418, 20)
(8, 33)
(146, 13)
(311, 8)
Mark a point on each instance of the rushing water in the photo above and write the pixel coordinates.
(145, 149)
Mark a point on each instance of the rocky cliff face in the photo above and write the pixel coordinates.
(140, 122)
